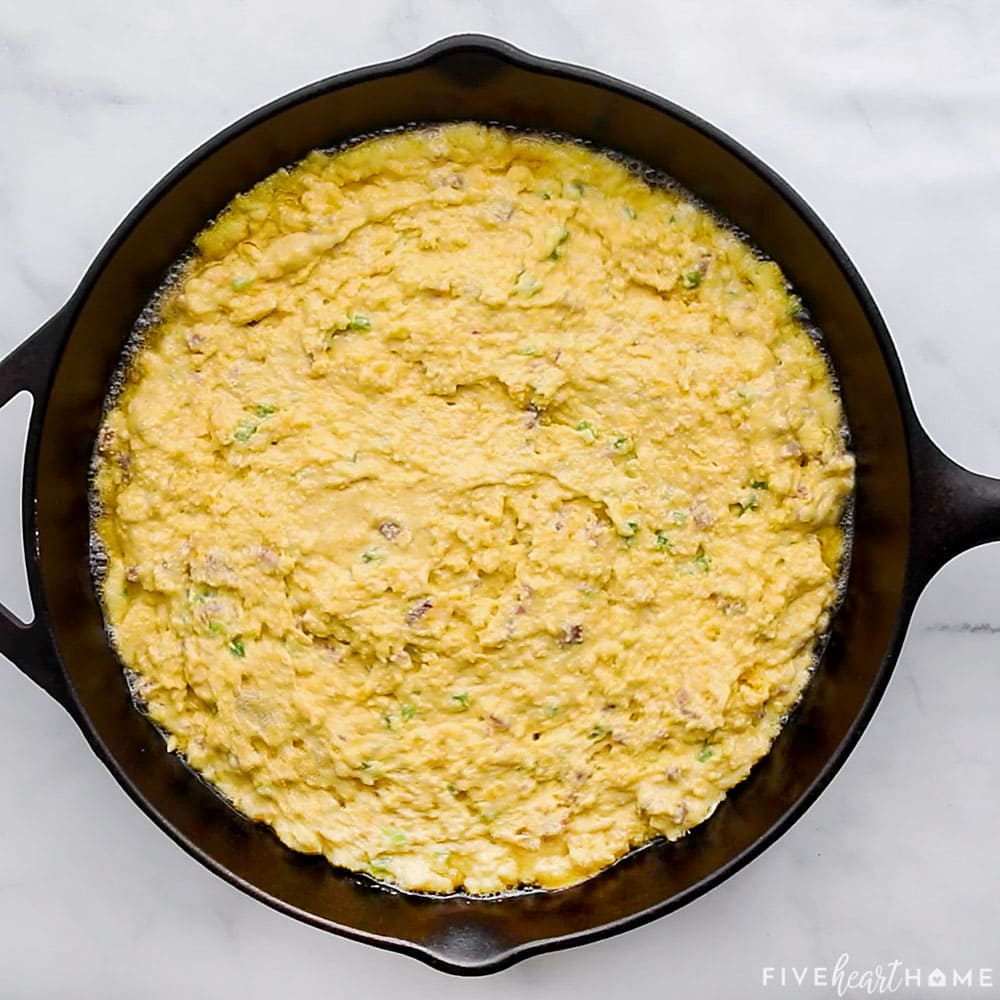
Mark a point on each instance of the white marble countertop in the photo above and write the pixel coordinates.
(886, 117)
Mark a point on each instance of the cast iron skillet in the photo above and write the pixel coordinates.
(915, 507)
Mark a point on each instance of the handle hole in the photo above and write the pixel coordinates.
(14, 593)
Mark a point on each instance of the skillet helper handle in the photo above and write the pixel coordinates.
(29, 646)
(954, 509)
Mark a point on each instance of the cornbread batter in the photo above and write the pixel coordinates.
(472, 509)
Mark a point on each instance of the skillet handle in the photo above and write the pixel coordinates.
(953, 509)
(30, 646)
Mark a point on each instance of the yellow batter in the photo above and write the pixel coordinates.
(472, 510)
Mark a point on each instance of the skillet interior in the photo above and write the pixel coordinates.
(486, 81)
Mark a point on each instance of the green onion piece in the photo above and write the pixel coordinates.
(701, 561)
(678, 517)
(198, 595)
(241, 281)
(245, 431)
(461, 700)
(397, 838)
(759, 484)
(407, 712)
(370, 556)
(380, 866)
(562, 238)
(526, 284)
(587, 431)
(663, 543)
(692, 279)
(263, 410)
(359, 322)
(237, 648)
(215, 628)
(705, 753)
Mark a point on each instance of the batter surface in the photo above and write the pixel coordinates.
(472, 509)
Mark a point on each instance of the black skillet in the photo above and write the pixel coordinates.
(915, 507)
